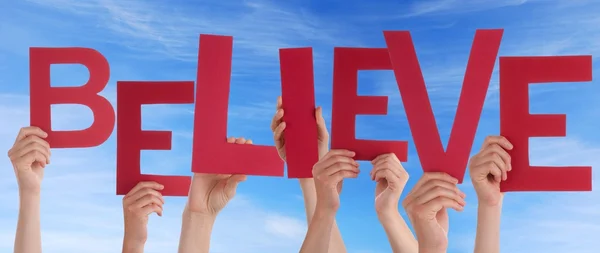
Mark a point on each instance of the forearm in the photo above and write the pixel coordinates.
(336, 242)
(28, 238)
(196, 229)
(132, 247)
(487, 239)
(319, 233)
(401, 238)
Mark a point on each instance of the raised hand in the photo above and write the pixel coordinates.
(426, 206)
(29, 156)
(278, 127)
(143, 200)
(489, 167)
(391, 178)
(209, 193)
(329, 174)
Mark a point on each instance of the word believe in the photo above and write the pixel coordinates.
(211, 153)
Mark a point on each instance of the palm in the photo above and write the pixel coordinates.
(30, 175)
(211, 191)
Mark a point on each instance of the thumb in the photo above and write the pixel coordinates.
(321, 128)
(232, 183)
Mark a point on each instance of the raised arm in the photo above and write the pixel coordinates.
(209, 194)
(29, 156)
(487, 169)
(391, 179)
(336, 244)
(329, 174)
(143, 200)
(427, 205)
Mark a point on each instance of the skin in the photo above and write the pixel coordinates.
(487, 169)
(391, 178)
(29, 156)
(336, 243)
(427, 205)
(143, 200)
(209, 194)
(328, 174)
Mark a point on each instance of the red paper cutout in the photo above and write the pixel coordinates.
(211, 153)
(418, 106)
(131, 139)
(42, 95)
(347, 104)
(298, 94)
(517, 125)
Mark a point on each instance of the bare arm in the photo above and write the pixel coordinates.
(196, 229)
(320, 227)
(398, 233)
(28, 238)
(487, 239)
(336, 243)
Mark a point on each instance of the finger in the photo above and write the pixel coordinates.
(440, 191)
(277, 119)
(425, 186)
(34, 156)
(141, 194)
(147, 210)
(30, 139)
(339, 167)
(428, 176)
(231, 139)
(340, 175)
(386, 165)
(387, 175)
(438, 203)
(232, 183)
(494, 170)
(501, 140)
(337, 159)
(145, 184)
(279, 102)
(278, 133)
(33, 146)
(384, 157)
(147, 200)
(27, 131)
(320, 120)
(248, 141)
(494, 148)
(341, 152)
(240, 140)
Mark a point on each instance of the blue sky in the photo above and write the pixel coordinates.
(158, 40)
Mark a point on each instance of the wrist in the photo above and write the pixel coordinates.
(323, 213)
(204, 218)
(387, 215)
(491, 205)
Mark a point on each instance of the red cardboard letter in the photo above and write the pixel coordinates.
(131, 139)
(418, 107)
(346, 104)
(298, 92)
(211, 152)
(42, 95)
(517, 125)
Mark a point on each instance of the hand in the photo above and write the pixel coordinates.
(278, 126)
(29, 155)
(143, 200)
(209, 193)
(426, 207)
(329, 174)
(489, 167)
(391, 179)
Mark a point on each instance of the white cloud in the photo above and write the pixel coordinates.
(81, 213)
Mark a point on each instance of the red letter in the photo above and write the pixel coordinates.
(211, 152)
(418, 107)
(517, 125)
(346, 104)
(298, 92)
(131, 139)
(42, 95)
